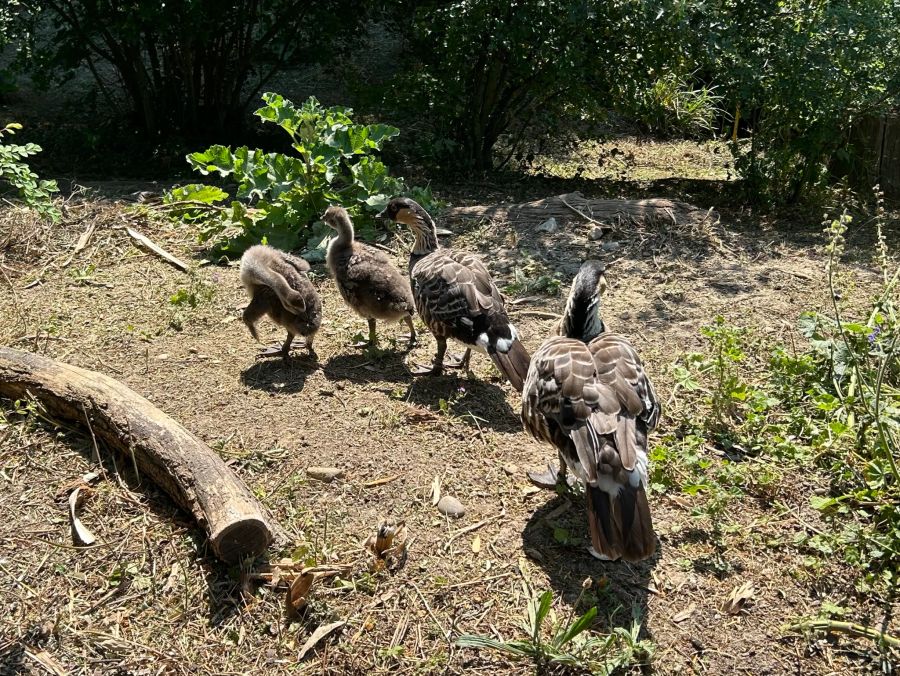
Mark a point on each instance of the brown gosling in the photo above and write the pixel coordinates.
(278, 287)
(369, 283)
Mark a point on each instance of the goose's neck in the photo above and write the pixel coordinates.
(345, 233)
(426, 240)
(582, 320)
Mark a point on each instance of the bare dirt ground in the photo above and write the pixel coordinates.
(149, 597)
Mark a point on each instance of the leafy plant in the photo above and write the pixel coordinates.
(673, 106)
(279, 197)
(484, 70)
(570, 643)
(801, 75)
(852, 384)
(16, 174)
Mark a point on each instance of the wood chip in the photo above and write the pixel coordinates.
(380, 482)
(82, 242)
(317, 636)
(146, 242)
(435, 491)
(47, 661)
(684, 614)
(476, 544)
(82, 534)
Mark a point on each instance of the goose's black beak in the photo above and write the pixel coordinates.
(382, 214)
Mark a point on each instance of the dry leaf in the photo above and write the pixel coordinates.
(389, 544)
(738, 598)
(435, 491)
(299, 590)
(82, 534)
(317, 636)
(476, 544)
(684, 614)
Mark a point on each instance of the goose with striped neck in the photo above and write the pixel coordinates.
(588, 395)
(457, 298)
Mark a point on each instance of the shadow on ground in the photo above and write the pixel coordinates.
(474, 402)
(556, 538)
(278, 375)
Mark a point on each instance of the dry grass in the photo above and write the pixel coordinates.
(150, 598)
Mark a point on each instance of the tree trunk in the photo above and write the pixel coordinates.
(191, 473)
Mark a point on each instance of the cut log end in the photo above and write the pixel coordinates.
(192, 474)
(249, 537)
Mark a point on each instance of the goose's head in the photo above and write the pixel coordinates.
(409, 212)
(337, 218)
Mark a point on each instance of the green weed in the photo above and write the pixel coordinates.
(568, 642)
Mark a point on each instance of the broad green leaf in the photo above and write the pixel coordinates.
(195, 192)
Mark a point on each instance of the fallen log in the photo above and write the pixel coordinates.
(188, 470)
(575, 207)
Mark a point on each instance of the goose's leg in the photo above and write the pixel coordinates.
(410, 337)
(462, 363)
(309, 347)
(373, 338)
(437, 367)
(553, 478)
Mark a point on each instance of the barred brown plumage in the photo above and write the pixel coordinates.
(587, 394)
(457, 298)
(366, 278)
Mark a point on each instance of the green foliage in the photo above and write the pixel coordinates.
(673, 106)
(570, 643)
(15, 173)
(279, 197)
(481, 70)
(801, 74)
(192, 66)
(851, 379)
(834, 404)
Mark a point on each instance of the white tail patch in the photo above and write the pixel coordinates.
(482, 341)
(505, 344)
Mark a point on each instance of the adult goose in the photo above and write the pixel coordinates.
(588, 395)
(457, 298)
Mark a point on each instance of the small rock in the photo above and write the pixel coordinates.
(193, 350)
(610, 246)
(511, 469)
(450, 506)
(164, 355)
(550, 225)
(596, 234)
(324, 473)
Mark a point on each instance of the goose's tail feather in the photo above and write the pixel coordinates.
(513, 364)
(620, 526)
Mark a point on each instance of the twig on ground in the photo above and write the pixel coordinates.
(155, 248)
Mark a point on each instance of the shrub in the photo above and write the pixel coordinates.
(673, 106)
(191, 66)
(801, 74)
(279, 197)
(481, 70)
(16, 174)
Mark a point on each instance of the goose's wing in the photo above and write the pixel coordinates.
(628, 404)
(456, 297)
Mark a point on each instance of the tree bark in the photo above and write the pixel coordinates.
(190, 472)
